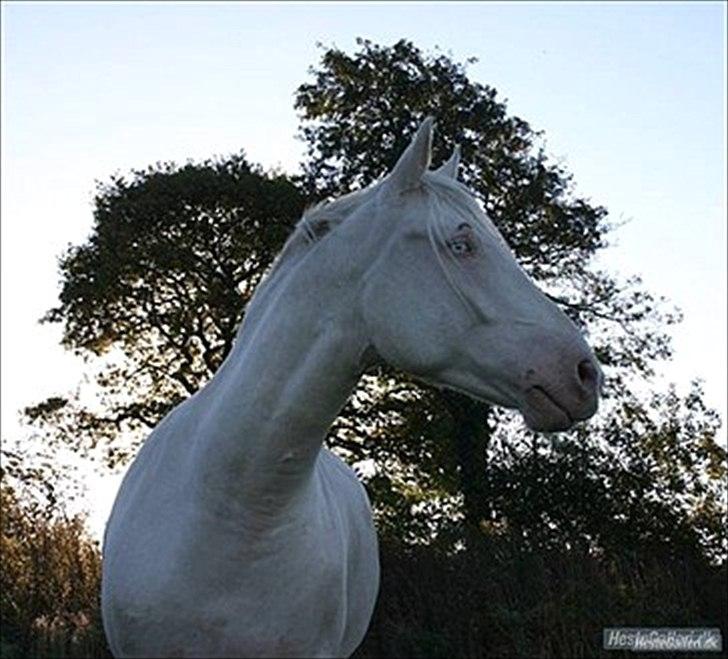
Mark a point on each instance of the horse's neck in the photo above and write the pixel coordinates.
(266, 412)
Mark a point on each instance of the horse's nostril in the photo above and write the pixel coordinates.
(587, 372)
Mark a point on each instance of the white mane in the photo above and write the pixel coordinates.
(315, 224)
(318, 221)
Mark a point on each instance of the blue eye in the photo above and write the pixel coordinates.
(460, 246)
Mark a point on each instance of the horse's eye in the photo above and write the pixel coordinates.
(461, 246)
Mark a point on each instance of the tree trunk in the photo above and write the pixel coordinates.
(471, 437)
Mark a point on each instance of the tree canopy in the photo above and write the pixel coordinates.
(157, 292)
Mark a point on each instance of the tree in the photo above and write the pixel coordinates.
(361, 110)
(177, 251)
(357, 116)
(155, 295)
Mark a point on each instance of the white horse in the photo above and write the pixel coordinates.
(234, 533)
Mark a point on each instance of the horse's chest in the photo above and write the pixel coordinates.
(285, 604)
(313, 592)
(306, 588)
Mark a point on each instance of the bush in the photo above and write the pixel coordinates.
(50, 580)
(499, 600)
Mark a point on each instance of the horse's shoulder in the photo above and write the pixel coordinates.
(341, 489)
(339, 474)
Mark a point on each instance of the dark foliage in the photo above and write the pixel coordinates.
(501, 599)
(159, 289)
(361, 110)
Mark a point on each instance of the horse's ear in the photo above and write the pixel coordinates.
(413, 163)
(450, 167)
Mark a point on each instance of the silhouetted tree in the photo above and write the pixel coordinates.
(357, 116)
(156, 293)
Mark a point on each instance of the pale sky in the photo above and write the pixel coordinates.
(631, 96)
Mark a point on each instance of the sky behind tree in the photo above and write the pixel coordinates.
(630, 97)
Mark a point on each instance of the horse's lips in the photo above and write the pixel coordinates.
(540, 411)
(543, 413)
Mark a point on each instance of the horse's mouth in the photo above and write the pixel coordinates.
(542, 411)
(493, 397)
